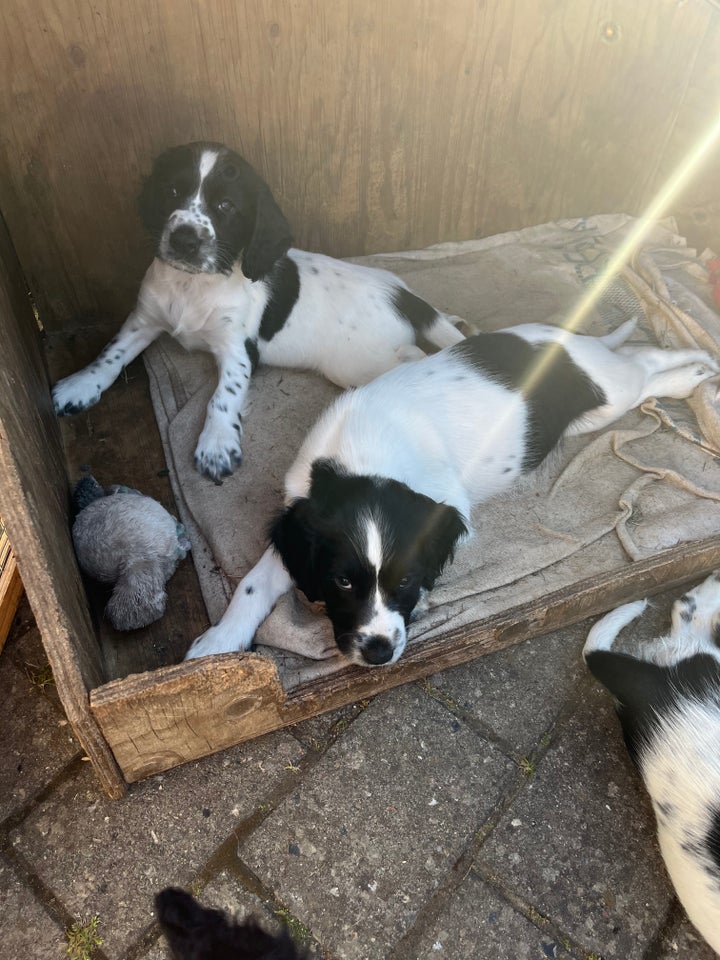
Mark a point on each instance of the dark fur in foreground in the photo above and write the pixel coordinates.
(195, 932)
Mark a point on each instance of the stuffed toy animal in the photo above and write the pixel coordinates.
(128, 539)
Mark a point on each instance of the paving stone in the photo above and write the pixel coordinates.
(159, 951)
(314, 731)
(378, 823)
(110, 857)
(27, 932)
(518, 691)
(36, 743)
(478, 924)
(683, 942)
(579, 843)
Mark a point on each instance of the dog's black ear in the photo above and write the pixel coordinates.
(271, 237)
(295, 535)
(441, 531)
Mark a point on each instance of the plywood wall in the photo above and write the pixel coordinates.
(380, 124)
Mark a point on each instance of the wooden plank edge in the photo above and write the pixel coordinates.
(158, 719)
(11, 589)
(564, 607)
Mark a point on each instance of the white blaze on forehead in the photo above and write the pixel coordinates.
(373, 545)
(208, 159)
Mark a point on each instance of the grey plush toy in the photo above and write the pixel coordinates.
(128, 539)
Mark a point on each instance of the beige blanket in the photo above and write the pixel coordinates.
(646, 485)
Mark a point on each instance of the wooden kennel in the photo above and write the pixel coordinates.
(380, 126)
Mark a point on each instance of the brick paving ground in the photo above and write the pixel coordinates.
(488, 813)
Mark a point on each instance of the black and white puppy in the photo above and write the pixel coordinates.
(225, 280)
(668, 701)
(383, 486)
(194, 932)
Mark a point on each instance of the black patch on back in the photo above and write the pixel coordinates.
(561, 394)
(418, 313)
(283, 283)
(646, 691)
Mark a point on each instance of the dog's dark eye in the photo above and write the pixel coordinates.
(172, 191)
(226, 206)
(343, 582)
(405, 582)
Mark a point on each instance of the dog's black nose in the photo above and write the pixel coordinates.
(377, 650)
(184, 241)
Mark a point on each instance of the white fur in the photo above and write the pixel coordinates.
(449, 432)
(680, 763)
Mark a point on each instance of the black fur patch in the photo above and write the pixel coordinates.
(283, 291)
(195, 932)
(252, 352)
(174, 178)
(560, 394)
(646, 691)
(712, 842)
(419, 314)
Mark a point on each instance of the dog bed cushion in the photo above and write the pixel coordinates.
(648, 483)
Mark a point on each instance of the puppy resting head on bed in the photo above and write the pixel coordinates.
(369, 547)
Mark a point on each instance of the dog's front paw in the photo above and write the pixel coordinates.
(217, 639)
(218, 451)
(76, 393)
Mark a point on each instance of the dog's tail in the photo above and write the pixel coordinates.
(618, 337)
(603, 633)
(634, 683)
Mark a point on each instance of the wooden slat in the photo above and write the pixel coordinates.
(11, 588)
(156, 720)
(698, 207)
(34, 504)
(380, 126)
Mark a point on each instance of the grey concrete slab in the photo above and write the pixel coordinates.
(579, 843)
(379, 823)
(518, 692)
(682, 942)
(27, 932)
(316, 732)
(478, 924)
(110, 857)
(37, 741)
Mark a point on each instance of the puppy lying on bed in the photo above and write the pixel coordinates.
(224, 279)
(669, 706)
(382, 489)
